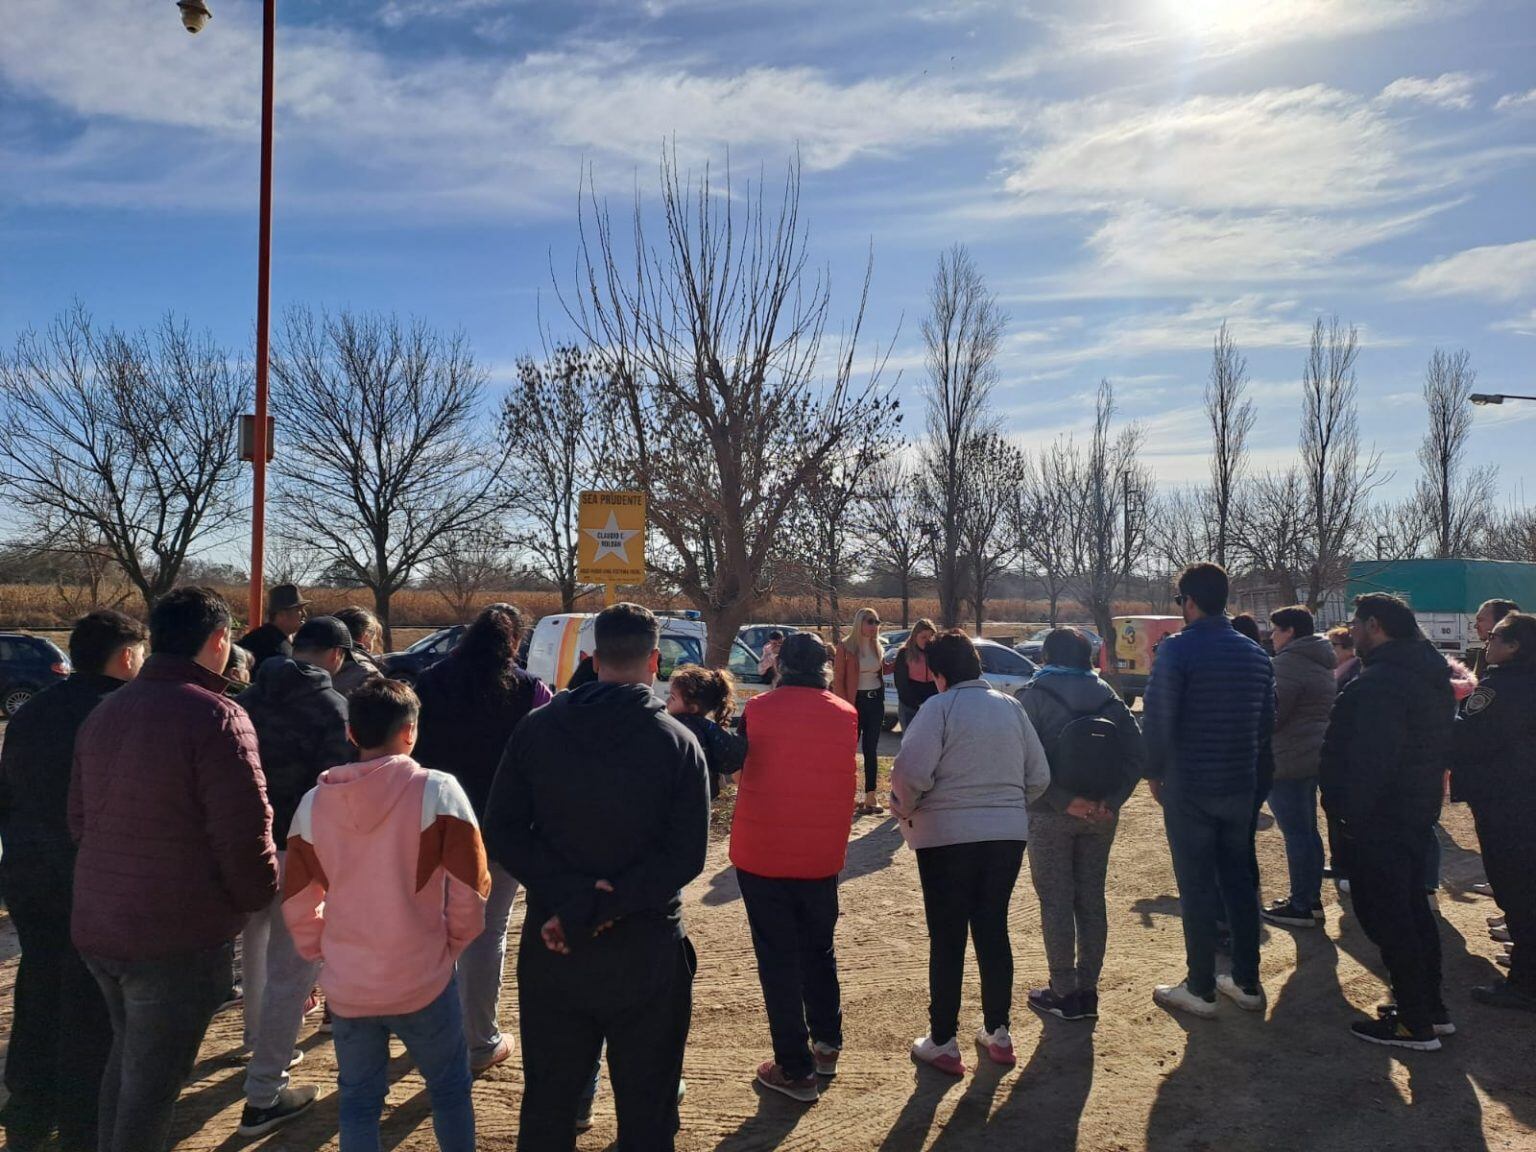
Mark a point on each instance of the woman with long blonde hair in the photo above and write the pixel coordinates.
(858, 677)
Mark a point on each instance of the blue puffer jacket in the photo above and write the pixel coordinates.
(1210, 708)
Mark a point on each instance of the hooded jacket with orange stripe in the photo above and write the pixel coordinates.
(386, 882)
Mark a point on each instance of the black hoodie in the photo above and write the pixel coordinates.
(1388, 741)
(301, 726)
(600, 784)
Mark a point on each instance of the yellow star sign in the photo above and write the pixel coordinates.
(611, 538)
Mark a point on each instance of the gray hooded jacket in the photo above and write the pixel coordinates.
(1304, 692)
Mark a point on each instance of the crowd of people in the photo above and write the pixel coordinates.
(368, 840)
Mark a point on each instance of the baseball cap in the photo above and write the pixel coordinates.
(323, 632)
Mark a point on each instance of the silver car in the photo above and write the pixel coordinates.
(1001, 667)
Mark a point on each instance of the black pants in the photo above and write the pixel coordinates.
(1509, 858)
(1386, 886)
(871, 709)
(160, 1011)
(967, 888)
(60, 1031)
(631, 986)
(792, 924)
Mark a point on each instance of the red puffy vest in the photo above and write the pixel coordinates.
(795, 794)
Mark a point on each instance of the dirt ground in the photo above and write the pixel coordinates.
(1138, 1079)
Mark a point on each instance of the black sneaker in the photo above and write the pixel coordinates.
(584, 1113)
(1289, 914)
(1392, 1032)
(1501, 995)
(289, 1105)
(1440, 1018)
(1046, 1002)
(1089, 1003)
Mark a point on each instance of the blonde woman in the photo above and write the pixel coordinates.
(858, 678)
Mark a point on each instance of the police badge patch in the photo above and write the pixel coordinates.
(1479, 700)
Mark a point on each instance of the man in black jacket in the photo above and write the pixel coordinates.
(285, 614)
(60, 1031)
(1383, 763)
(601, 809)
(301, 726)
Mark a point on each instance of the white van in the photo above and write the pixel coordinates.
(560, 641)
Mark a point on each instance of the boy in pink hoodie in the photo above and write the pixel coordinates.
(386, 882)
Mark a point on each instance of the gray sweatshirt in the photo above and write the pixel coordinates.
(969, 765)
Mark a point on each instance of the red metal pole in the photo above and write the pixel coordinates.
(263, 318)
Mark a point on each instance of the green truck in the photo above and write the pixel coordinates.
(1445, 594)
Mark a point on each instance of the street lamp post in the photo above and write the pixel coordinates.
(194, 16)
(1495, 397)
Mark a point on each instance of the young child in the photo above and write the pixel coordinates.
(386, 882)
(702, 698)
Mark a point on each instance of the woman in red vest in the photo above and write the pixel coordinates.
(789, 838)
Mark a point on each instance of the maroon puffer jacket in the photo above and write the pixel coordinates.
(169, 807)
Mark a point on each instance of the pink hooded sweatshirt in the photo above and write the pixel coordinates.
(386, 882)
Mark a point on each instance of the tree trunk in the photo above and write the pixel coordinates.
(1055, 609)
(1103, 621)
(723, 623)
(381, 597)
(906, 600)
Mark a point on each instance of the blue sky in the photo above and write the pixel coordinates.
(1127, 173)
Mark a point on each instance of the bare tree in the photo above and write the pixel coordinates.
(384, 457)
(471, 561)
(1112, 493)
(834, 512)
(961, 334)
(1182, 527)
(1231, 416)
(1270, 526)
(730, 403)
(1455, 503)
(123, 442)
(893, 525)
(1338, 476)
(558, 417)
(1512, 535)
(994, 471)
(1042, 519)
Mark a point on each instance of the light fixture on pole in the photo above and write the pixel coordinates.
(195, 14)
(1495, 397)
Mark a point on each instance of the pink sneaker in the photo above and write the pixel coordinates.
(998, 1045)
(944, 1057)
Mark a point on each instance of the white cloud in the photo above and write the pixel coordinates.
(1448, 90)
(1302, 148)
(1207, 29)
(1499, 271)
(1516, 101)
(487, 135)
(1519, 325)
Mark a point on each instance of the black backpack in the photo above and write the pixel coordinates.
(1087, 759)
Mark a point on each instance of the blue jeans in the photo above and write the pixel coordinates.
(1208, 839)
(481, 966)
(1294, 803)
(434, 1037)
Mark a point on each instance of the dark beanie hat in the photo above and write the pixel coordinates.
(802, 654)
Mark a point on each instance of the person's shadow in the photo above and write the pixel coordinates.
(909, 1131)
(874, 850)
(775, 1119)
(723, 888)
(1045, 1107)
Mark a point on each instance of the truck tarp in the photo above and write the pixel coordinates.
(1457, 586)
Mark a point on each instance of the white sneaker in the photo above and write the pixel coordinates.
(1248, 1001)
(998, 1046)
(1180, 998)
(944, 1057)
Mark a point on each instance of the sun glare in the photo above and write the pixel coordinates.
(1221, 18)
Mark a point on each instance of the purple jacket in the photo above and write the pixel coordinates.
(169, 808)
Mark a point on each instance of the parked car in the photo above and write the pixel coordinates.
(1031, 645)
(560, 641)
(28, 664)
(754, 636)
(411, 663)
(1001, 667)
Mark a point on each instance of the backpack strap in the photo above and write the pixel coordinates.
(1072, 712)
